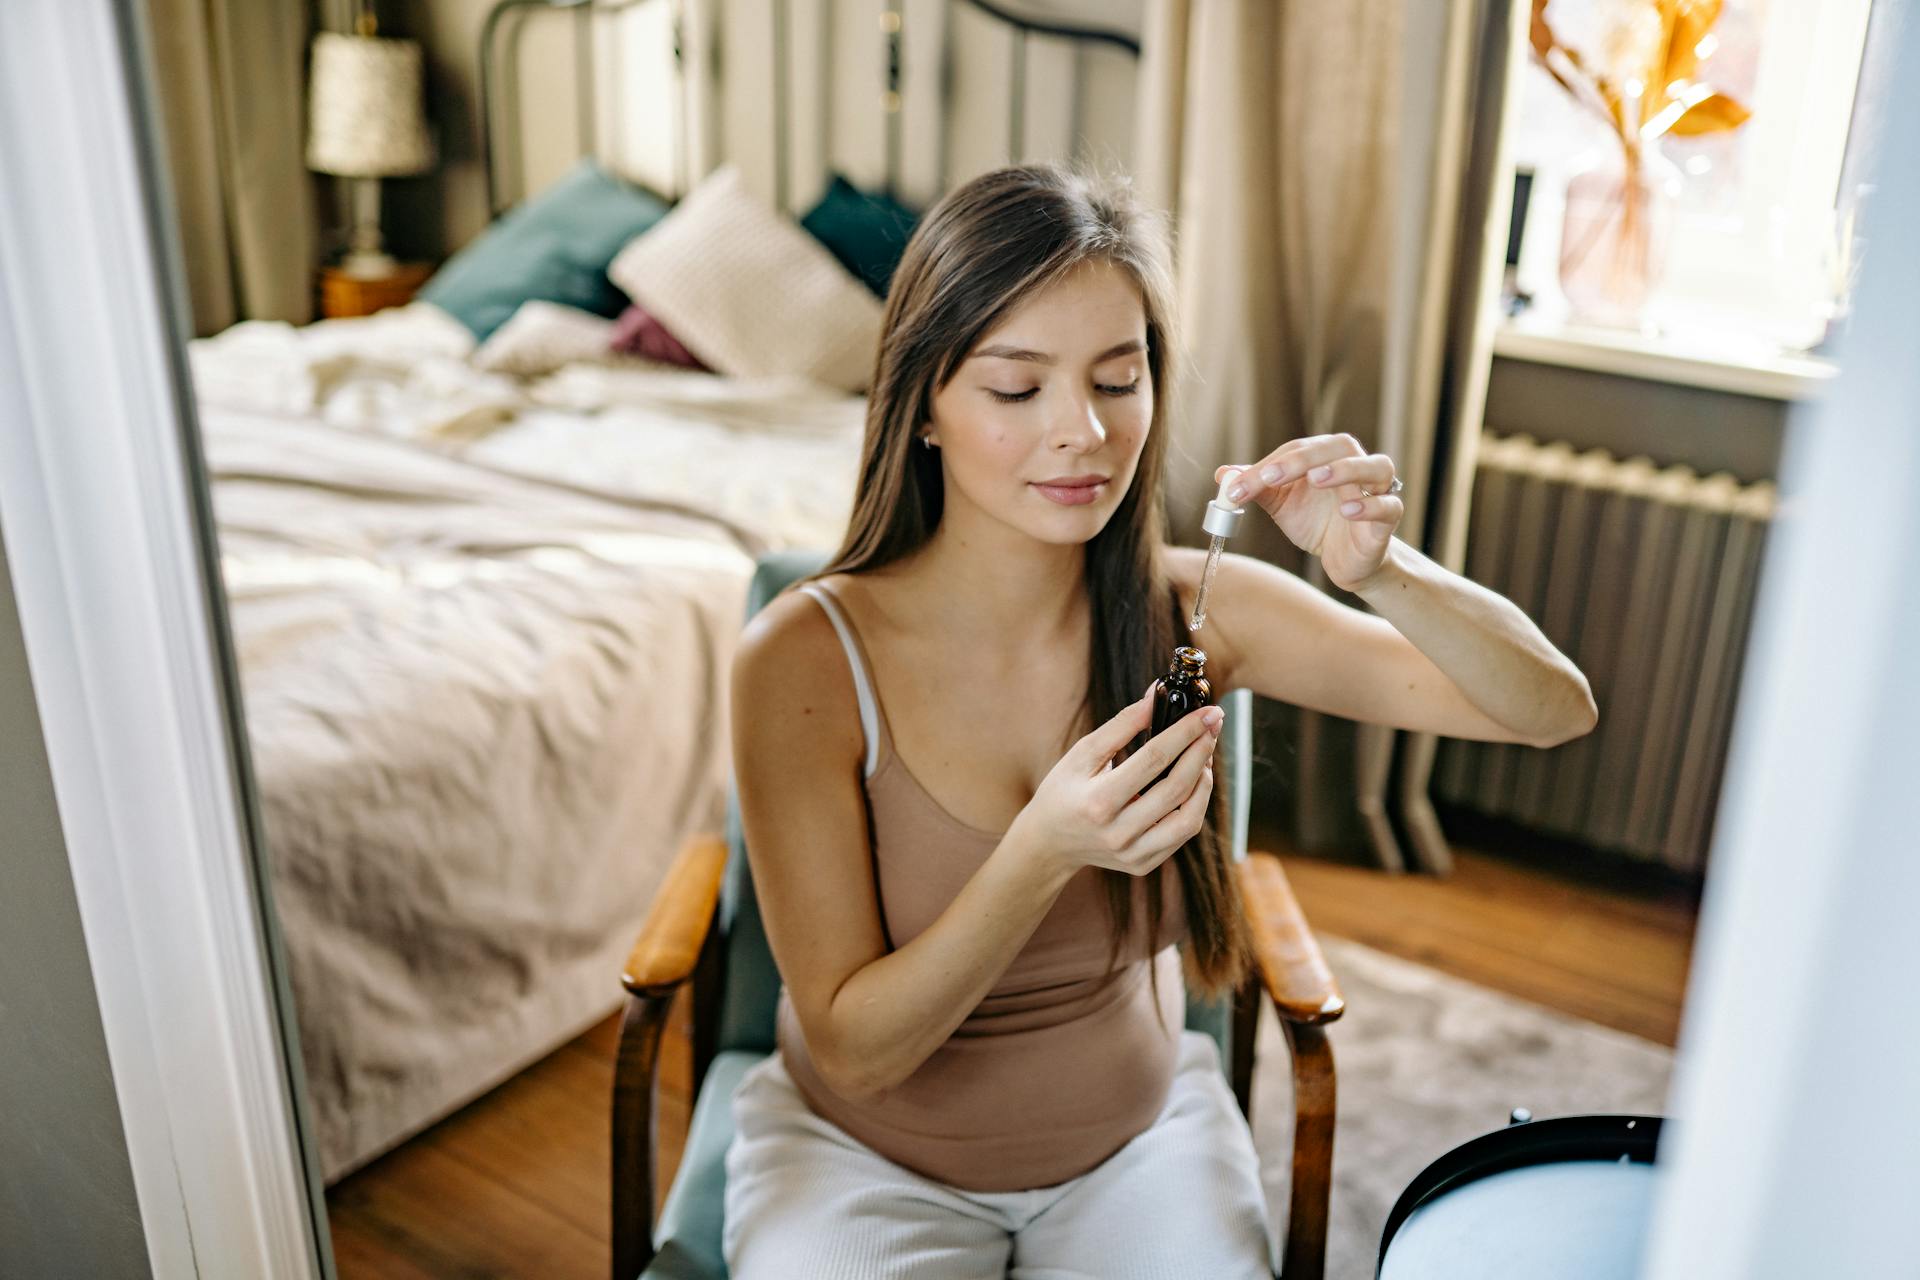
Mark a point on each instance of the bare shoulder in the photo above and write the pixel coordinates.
(1184, 566)
(790, 677)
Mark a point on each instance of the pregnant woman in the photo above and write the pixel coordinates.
(981, 902)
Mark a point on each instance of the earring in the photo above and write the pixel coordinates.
(926, 441)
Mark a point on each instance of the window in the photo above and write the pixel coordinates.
(1756, 246)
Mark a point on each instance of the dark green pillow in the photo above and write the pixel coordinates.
(555, 247)
(867, 233)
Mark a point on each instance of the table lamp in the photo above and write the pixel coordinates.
(365, 123)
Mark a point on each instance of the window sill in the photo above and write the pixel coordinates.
(1742, 367)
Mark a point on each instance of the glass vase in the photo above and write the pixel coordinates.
(1615, 232)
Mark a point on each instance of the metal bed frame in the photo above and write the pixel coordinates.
(499, 89)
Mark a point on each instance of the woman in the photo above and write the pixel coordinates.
(978, 899)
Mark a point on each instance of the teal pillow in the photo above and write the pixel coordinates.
(555, 247)
(867, 233)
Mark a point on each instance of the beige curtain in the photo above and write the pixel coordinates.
(232, 81)
(1329, 165)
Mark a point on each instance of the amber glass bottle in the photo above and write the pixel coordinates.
(1182, 691)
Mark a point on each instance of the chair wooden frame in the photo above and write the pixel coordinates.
(680, 945)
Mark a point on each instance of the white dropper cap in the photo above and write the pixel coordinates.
(1223, 515)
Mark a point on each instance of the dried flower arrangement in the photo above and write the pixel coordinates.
(1643, 85)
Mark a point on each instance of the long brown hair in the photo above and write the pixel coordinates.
(980, 252)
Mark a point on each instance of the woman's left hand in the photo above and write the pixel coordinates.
(1312, 487)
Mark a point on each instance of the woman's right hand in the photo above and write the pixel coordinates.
(1090, 812)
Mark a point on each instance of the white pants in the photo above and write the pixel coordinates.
(807, 1201)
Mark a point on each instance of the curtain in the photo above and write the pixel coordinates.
(231, 76)
(1331, 170)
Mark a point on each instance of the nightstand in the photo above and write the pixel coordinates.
(345, 295)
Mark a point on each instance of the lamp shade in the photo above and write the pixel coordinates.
(364, 116)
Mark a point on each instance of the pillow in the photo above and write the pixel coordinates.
(555, 247)
(749, 292)
(867, 233)
(637, 333)
(543, 336)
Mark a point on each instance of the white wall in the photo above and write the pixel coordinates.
(67, 1201)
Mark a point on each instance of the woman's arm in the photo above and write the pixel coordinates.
(872, 1016)
(1444, 655)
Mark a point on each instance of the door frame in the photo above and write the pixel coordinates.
(109, 536)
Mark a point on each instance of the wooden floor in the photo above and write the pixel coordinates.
(516, 1183)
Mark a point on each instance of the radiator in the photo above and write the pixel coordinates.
(1645, 577)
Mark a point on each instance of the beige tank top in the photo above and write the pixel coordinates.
(1058, 1066)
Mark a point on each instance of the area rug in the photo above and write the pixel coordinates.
(1426, 1061)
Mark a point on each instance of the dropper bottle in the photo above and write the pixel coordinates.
(1185, 687)
(1183, 690)
(1221, 519)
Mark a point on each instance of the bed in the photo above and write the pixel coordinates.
(484, 596)
(484, 683)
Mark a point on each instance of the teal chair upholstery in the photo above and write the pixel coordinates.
(704, 930)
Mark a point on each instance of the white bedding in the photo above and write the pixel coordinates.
(483, 637)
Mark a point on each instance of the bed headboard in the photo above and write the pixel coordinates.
(906, 96)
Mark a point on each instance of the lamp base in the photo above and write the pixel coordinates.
(366, 260)
(364, 265)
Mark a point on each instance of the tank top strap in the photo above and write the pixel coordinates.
(873, 720)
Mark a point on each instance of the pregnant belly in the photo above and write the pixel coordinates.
(1015, 1110)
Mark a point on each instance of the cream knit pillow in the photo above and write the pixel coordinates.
(749, 292)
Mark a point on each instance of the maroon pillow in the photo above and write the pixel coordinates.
(637, 333)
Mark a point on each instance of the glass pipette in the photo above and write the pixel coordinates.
(1221, 518)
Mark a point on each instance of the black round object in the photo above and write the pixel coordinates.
(1566, 1197)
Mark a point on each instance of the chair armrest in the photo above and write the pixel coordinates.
(668, 948)
(1289, 959)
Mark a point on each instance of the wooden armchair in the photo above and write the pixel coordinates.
(704, 932)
